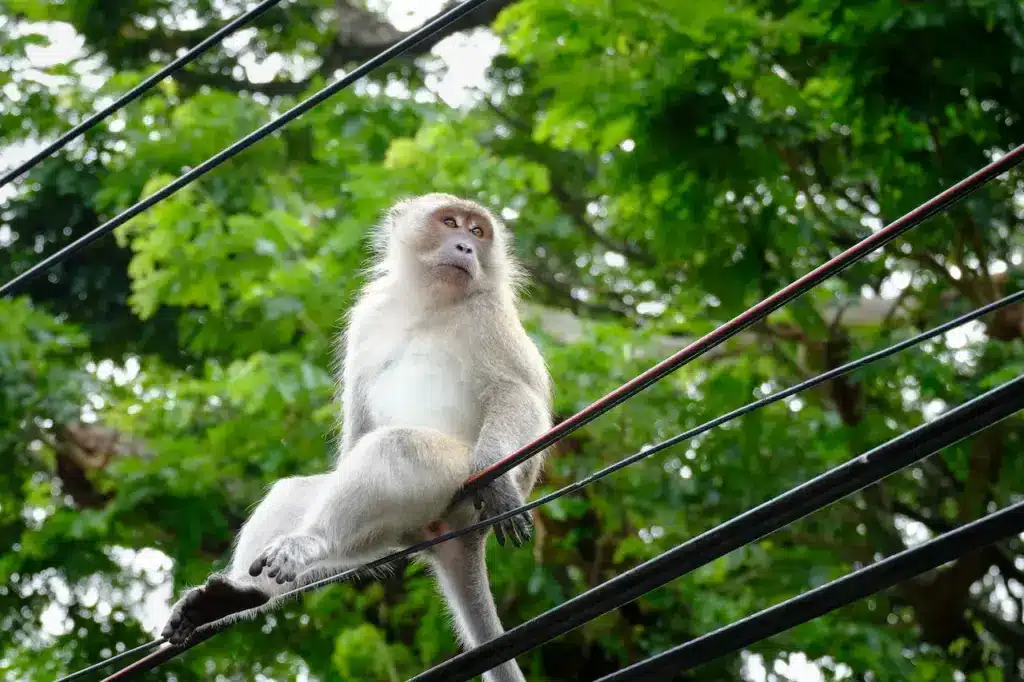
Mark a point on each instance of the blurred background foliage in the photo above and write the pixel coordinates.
(663, 164)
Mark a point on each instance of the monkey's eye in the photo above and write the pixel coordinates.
(450, 222)
(477, 230)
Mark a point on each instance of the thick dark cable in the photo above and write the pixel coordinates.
(822, 600)
(742, 530)
(1017, 297)
(139, 90)
(252, 138)
(131, 653)
(745, 319)
(829, 597)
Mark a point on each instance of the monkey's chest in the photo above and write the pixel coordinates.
(423, 386)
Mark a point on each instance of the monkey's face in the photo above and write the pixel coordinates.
(452, 244)
(456, 241)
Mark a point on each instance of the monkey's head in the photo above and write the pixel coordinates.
(442, 241)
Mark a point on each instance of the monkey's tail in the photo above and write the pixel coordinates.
(462, 575)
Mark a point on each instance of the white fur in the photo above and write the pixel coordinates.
(437, 383)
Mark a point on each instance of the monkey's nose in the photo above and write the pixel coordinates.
(462, 247)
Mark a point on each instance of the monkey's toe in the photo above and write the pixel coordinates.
(283, 560)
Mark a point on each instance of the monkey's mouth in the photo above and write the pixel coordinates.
(455, 266)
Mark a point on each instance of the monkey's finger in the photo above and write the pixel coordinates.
(478, 502)
(499, 534)
(513, 531)
(523, 528)
(256, 567)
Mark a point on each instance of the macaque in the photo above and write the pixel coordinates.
(439, 380)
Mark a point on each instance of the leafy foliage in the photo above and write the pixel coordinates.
(663, 164)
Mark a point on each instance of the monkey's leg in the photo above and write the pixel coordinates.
(392, 483)
(462, 576)
(222, 595)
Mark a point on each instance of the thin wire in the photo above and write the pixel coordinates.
(252, 138)
(819, 492)
(829, 597)
(139, 89)
(216, 626)
(113, 659)
(745, 319)
(154, 659)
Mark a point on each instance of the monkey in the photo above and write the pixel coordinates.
(438, 380)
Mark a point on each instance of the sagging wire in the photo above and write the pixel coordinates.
(842, 370)
(139, 90)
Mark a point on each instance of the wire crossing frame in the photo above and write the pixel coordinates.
(829, 597)
(139, 90)
(213, 628)
(252, 138)
(819, 492)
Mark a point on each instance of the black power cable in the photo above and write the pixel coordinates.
(138, 90)
(842, 370)
(425, 31)
(742, 530)
(829, 597)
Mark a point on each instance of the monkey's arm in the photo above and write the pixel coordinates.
(355, 422)
(355, 413)
(513, 416)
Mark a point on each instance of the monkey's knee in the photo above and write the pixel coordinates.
(419, 452)
(400, 439)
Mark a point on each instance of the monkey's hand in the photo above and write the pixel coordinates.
(219, 597)
(286, 557)
(498, 497)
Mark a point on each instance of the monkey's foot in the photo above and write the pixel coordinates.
(219, 597)
(285, 558)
